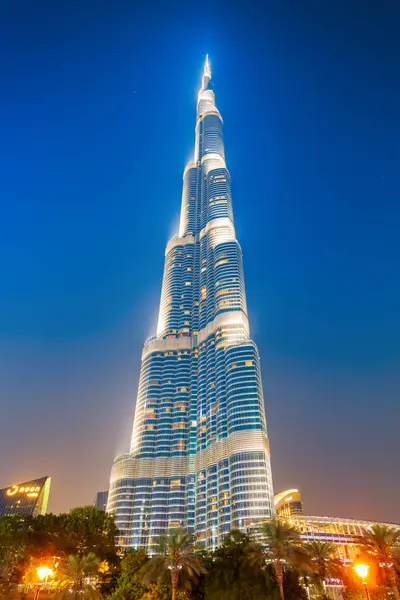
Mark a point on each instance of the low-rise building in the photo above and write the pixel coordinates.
(28, 498)
(288, 503)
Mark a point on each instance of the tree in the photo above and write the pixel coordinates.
(129, 585)
(174, 556)
(198, 585)
(381, 542)
(76, 578)
(25, 539)
(11, 557)
(81, 531)
(282, 542)
(291, 585)
(158, 591)
(356, 593)
(322, 563)
(91, 530)
(236, 570)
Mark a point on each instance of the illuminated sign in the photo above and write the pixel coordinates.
(31, 492)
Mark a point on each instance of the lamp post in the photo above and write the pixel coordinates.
(43, 573)
(362, 572)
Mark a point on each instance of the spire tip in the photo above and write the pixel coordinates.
(207, 69)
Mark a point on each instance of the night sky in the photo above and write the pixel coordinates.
(97, 116)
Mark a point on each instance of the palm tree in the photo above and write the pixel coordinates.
(322, 562)
(75, 578)
(283, 545)
(236, 571)
(382, 543)
(174, 554)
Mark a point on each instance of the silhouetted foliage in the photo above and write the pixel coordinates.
(282, 547)
(291, 586)
(358, 593)
(174, 557)
(129, 586)
(24, 538)
(381, 542)
(237, 570)
(76, 578)
(83, 540)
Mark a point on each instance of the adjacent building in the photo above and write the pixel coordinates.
(344, 533)
(288, 503)
(199, 456)
(101, 500)
(29, 498)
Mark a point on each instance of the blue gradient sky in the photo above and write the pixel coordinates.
(97, 111)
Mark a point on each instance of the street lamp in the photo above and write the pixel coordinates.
(362, 572)
(43, 573)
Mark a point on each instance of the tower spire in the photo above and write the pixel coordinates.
(207, 69)
(206, 74)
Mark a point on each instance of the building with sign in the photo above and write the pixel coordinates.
(199, 456)
(28, 498)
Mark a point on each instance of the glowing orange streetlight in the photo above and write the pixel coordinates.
(43, 573)
(362, 572)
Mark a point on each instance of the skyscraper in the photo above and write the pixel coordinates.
(199, 455)
(101, 500)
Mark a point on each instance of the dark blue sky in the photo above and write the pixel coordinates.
(97, 114)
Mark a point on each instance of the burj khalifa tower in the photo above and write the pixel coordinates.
(199, 457)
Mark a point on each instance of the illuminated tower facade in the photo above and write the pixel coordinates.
(199, 456)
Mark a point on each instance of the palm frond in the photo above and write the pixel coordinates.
(382, 542)
(282, 541)
(72, 576)
(322, 560)
(155, 568)
(174, 554)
